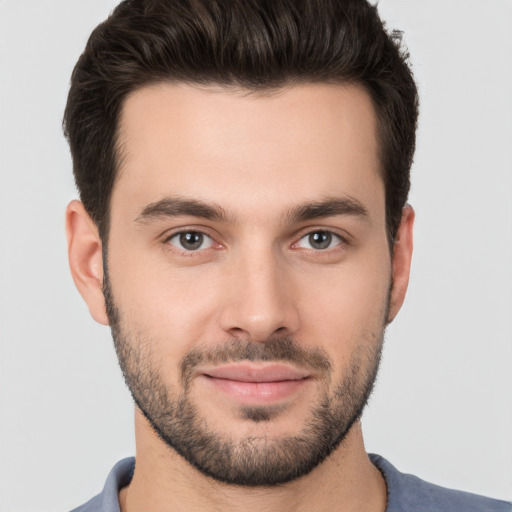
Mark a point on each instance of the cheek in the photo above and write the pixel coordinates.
(172, 307)
(350, 311)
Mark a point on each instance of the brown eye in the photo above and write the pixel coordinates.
(191, 241)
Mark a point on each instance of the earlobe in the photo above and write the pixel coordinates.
(402, 256)
(85, 259)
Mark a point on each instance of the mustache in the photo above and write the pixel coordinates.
(274, 349)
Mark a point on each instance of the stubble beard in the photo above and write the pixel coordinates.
(253, 460)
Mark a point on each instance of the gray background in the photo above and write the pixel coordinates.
(443, 407)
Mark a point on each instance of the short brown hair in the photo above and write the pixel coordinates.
(254, 44)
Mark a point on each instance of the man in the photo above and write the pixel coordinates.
(243, 169)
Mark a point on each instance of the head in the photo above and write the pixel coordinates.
(243, 169)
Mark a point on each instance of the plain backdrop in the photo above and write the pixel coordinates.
(443, 406)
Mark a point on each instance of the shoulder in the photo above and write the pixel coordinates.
(107, 501)
(407, 493)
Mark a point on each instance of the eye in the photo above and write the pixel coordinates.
(190, 241)
(319, 240)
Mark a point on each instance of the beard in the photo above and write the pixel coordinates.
(255, 460)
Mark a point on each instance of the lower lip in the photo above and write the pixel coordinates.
(257, 392)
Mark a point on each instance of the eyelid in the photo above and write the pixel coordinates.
(344, 238)
(206, 239)
(169, 234)
(334, 242)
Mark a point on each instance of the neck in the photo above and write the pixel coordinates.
(163, 481)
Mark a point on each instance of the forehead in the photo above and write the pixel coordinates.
(247, 149)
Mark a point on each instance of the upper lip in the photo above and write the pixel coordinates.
(244, 372)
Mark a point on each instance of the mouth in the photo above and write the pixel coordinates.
(256, 384)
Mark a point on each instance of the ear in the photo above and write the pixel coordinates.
(402, 255)
(85, 259)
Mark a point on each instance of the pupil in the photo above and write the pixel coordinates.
(191, 240)
(320, 240)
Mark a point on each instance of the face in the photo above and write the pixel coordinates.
(249, 275)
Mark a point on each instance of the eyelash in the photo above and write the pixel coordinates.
(184, 252)
(342, 242)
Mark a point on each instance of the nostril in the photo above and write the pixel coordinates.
(237, 332)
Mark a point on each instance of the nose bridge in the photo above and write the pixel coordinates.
(260, 301)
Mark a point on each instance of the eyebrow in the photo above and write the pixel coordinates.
(178, 206)
(330, 207)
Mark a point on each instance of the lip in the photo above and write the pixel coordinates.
(256, 373)
(250, 384)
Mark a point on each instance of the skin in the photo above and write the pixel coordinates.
(258, 157)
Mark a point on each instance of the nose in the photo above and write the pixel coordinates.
(261, 300)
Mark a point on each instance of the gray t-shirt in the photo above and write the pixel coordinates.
(406, 493)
